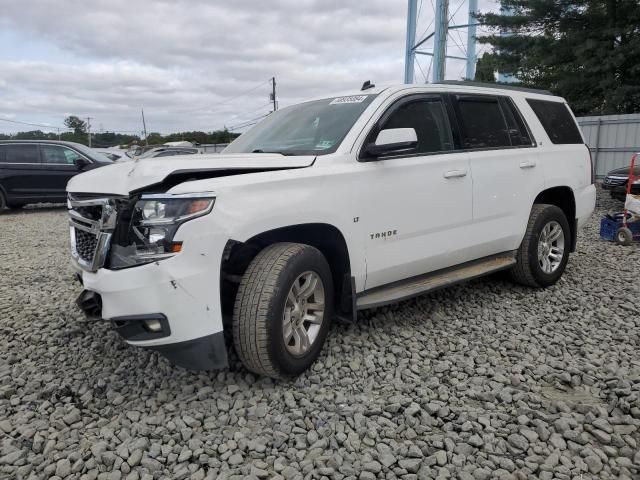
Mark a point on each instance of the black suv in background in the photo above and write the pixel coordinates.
(34, 171)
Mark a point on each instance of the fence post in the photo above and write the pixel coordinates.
(597, 148)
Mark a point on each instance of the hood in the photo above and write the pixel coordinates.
(125, 177)
(624, 171)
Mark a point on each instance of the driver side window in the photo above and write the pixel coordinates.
(428, 117)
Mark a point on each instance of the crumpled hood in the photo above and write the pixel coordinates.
(123, 178)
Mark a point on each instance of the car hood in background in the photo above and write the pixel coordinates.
(125, 177)
(624, 171)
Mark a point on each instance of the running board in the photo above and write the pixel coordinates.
(429, 282)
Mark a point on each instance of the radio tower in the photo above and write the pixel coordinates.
(440, 35)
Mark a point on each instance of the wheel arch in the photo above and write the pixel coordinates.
(563, 198)
(327, 238)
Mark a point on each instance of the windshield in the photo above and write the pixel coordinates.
(93, 154)
(311, 128)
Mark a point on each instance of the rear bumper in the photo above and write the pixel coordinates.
(181, 294)
(585, 204)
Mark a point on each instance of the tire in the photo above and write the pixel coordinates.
(3, 202)
(624, 236)
(530, 269)
(264, 304)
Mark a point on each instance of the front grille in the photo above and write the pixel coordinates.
(92, 221)
(614, 181)
(86, 244)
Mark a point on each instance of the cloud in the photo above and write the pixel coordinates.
(183, 60)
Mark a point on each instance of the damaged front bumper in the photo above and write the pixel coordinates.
(172, 305)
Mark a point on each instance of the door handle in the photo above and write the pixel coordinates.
(455, 173)
(527, 164)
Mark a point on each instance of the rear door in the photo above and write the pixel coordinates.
(58, 166)
(20, 171)
(504, 165)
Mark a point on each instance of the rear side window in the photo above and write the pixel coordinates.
(428, 118)
(20, 154)
(3, 153)
(483, 123)
(557, 121)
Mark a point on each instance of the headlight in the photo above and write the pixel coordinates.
(153, 224)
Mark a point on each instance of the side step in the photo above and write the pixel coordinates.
(429, 282)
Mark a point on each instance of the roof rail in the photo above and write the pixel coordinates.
(503, 86)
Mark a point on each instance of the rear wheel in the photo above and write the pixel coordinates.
(544, 251)
(3, 202)
(624, 236)
(283, 310)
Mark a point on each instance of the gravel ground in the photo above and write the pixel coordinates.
(484, 380)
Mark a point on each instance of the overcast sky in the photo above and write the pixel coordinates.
(196, 64)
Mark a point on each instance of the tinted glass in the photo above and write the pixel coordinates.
(21, 154)
(429, 119)
(483, 124)
(311, 128)
(557, 121)
(59, 155)
(518, 131)
(3, 153)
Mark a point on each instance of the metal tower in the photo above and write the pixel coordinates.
(440, 35)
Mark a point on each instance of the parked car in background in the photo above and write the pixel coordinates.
(616, 183)
(327, 207)
(114, 155)
(33, 171)
(169, 152)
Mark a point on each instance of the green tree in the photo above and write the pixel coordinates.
(587, 51)
(486, 69)
(79, 127)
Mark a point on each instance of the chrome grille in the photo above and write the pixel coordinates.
(91, 222)
(615, 181)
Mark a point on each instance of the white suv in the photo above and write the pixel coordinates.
(325, 208)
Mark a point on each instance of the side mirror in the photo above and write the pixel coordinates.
(393, 140)
(81, 163)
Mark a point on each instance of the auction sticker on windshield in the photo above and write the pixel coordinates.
(352, 99)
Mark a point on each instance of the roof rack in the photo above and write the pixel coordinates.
(502, 86)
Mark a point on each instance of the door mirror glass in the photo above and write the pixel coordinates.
(393, 140)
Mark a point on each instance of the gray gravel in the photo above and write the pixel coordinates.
(485, 380)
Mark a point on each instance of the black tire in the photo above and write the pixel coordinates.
(3, 202)
(624, 236)
(259, 308)
(528, 270)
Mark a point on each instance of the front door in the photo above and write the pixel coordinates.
(417, 206)
(59, 166)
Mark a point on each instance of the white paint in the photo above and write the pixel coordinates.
(440, 210)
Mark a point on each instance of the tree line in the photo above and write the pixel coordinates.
(77, 132)
(587, 51)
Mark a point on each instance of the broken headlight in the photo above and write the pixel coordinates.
(154, 222)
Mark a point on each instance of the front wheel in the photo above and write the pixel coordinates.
(544, 251)
(283, 309)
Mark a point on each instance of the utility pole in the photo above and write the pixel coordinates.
(273, 93)
(144, 125)
(89, 129)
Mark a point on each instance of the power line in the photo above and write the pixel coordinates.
(35, 124)
(229, 100)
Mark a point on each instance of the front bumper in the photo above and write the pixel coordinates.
(182, 292)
